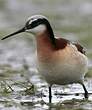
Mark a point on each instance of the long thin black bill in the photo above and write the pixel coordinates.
(17, 32)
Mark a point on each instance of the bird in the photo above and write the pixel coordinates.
(60, 61)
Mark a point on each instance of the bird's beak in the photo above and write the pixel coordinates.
(17, 32)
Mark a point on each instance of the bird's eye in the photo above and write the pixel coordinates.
(33, 23)
(32, 20)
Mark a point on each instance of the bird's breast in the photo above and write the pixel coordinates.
(62, 66)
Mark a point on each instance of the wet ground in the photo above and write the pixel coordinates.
(21, 87)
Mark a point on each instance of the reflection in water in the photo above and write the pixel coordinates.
(71, 19)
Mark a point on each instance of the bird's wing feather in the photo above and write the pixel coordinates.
(61, 43)
(80, 48)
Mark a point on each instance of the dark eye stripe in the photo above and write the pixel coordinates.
(35, 23)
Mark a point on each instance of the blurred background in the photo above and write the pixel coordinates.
(71, 19)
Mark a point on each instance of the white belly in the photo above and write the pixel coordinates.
(68, 68)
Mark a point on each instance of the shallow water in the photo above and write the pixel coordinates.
(70, 19)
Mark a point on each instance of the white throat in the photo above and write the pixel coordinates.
(37, 29)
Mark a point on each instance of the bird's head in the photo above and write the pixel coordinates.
(36, 25)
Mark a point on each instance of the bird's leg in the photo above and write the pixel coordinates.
(86, 92)
(50, 94)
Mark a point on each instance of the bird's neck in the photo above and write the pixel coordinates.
(50, 34)
(44, 39)
(44, 47)
(44, 43)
